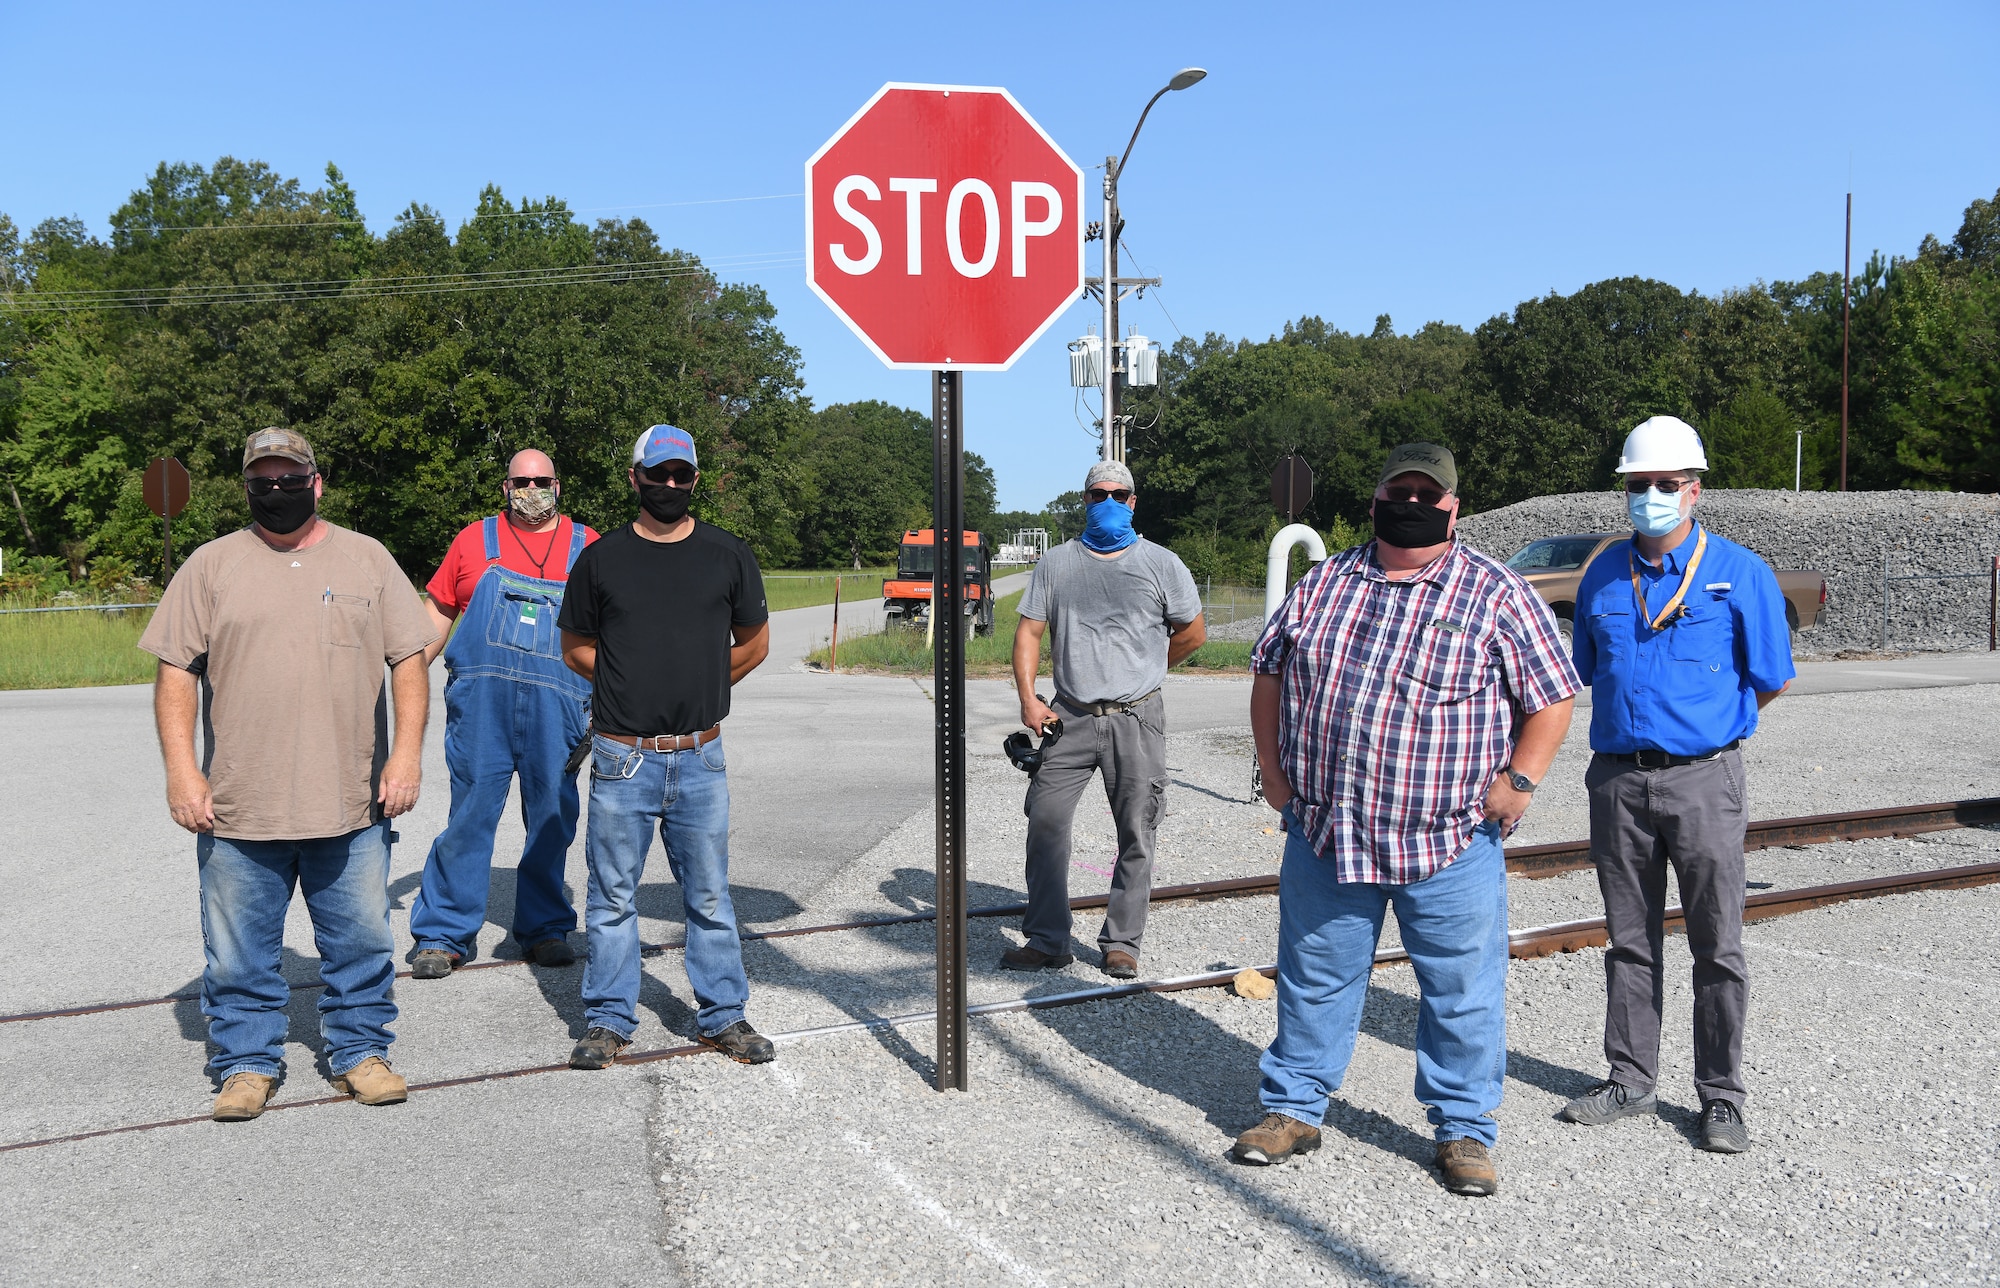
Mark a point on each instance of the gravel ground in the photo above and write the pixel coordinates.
(1091, 1149)
(1811, 755)
(1843, 535)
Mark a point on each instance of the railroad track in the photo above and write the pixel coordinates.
(1532, 862)
(1530, 942)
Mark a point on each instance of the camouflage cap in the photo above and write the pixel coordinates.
(1427, 459)
(288, 443)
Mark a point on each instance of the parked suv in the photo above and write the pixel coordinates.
(1554, 566)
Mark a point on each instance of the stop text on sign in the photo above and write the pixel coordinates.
(975, 192)
(944, 227)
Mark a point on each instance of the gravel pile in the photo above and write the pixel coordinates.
(1844, 536)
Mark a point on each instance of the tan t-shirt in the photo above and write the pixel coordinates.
(291, 645)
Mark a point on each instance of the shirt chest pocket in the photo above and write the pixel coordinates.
(1611, 622)
(343, 620)
(1704, 633)
(1449, 665)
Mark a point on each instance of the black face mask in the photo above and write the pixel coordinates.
(1411, 525)
(283, 512)
(665, 502)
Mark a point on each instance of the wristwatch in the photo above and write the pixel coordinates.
(1521, 782)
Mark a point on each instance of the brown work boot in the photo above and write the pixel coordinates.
(1466, 1167)
(373, 1082)
(1027, 958)
(243, 1097)
(1119, 964)
(1274, 1140)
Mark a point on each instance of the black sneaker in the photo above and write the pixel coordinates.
(550, 952)
(1606, 1102)
(597, 1050)
(1723, 1130)
(433, 963)
(742, 1044)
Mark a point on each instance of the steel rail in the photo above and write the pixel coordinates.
(1527, 943)
(1531, 862)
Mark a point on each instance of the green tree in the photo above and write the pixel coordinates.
(1752, 441)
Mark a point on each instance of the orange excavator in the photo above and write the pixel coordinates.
(906, 597)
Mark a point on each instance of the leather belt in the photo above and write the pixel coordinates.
(1647, 758)
(667, 741)
(1108, 708)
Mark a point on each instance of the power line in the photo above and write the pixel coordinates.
(564, 213)
(375, 288)
(1155, 289)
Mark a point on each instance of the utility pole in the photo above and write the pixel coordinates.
(1110, 284)
(1846, 267)
(1114, 432)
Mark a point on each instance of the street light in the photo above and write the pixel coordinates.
(1114, 433)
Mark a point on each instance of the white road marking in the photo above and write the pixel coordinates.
(930, 1207)
(1910, 675)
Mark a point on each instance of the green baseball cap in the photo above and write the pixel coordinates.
(1427, 459)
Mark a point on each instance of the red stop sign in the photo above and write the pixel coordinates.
(944, 226)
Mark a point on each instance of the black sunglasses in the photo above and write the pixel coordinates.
(533, 480)
(264, 485)
(678, 475)
(1118, 494)
(1423, 495)
(1668, 487)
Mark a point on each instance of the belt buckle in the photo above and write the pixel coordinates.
(1650, 758)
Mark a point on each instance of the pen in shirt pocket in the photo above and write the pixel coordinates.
(327, 598)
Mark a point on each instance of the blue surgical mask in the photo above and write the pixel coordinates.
(1654, 513)
(1108, 527)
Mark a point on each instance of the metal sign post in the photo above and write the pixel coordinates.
(948, 658)
(945, 228)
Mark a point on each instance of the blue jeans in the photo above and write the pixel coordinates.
(246, 886)
(685, 794)
(497, 726)
(1454, 926)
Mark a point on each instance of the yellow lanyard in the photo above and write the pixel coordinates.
(1687, 579)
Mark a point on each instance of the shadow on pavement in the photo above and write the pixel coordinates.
(1391, 1017)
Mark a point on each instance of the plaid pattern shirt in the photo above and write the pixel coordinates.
(1400, 700)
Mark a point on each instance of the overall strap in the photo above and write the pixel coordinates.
(575, 545)
(491, 530)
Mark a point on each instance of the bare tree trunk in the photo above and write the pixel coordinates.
(34, 546)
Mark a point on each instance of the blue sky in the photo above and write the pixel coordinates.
(1429, 162)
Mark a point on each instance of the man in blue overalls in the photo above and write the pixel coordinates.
(511, 707)
(1682, 637)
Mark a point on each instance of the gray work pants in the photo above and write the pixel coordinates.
(1641, 820)
(1131, 749)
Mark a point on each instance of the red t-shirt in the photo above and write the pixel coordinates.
(465, 562)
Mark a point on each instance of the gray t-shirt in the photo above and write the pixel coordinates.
(1111, 617)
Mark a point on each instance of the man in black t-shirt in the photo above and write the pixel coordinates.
(662, 617)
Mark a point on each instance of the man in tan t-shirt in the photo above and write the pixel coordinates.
(277, 635)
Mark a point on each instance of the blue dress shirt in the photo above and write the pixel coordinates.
(1691, 686)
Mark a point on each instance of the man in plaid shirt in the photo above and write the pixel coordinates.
(1408, 698)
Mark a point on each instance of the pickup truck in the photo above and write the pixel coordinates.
(1554, 566)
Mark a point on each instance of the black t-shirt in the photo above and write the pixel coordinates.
(660, 612)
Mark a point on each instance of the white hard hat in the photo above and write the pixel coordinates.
(1662, 443)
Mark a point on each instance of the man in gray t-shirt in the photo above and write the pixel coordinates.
(1124, 610)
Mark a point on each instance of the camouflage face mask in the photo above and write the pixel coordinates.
(532, 505)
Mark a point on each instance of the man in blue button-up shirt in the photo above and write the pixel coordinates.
(1682, 637)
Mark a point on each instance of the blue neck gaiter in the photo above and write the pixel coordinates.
(1108, 527)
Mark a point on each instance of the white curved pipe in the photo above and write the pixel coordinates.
(1297, 534)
